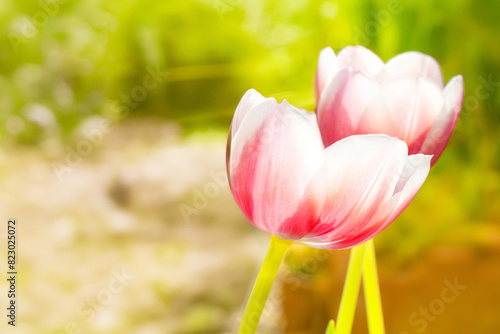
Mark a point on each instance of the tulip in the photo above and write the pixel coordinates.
(357, 93)
(288, 184)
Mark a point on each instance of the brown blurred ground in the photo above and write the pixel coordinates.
(119, 210)
(413, 293)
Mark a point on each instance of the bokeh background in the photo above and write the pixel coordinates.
(114, 117)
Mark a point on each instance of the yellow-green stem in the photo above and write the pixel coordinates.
(372, 291)
(275, 254)
(351, 290)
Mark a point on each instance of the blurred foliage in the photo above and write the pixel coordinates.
(66, 63)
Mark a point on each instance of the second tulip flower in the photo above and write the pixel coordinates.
(406, 98)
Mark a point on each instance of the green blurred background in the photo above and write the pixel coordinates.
(132, 194)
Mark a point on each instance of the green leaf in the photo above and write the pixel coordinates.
(331, 327)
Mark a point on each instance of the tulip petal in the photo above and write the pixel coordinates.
(412, 107)
(259, 112)
(362, 173)
(327, 67)
(250, 99)
(343, 103)
(273, 165)
(361, 59)
(415, 172)
(440, 134)
(414, 64)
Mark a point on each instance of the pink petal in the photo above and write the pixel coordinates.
(361, 59)
(440, 134)
(414, 64)
(343, 103)
(273, 164)
(362, 173)
(259, 113)
(327, 67)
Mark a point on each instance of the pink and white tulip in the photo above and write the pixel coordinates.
(288, 184)
(357, 93)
